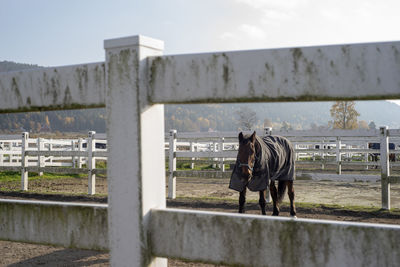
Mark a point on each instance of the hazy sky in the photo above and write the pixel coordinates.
(53, 33)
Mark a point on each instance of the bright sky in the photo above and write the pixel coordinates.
(54, 33)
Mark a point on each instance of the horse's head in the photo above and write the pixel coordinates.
(247, 154)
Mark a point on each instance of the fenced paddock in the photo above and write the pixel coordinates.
(335, 147)
(24, 154)
(134, 83)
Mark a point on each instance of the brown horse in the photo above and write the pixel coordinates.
(260, 162)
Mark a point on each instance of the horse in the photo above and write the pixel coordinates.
(262, 161)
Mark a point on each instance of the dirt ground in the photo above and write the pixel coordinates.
(193, 193)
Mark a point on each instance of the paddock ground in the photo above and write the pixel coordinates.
(333, 199)
(352, 193)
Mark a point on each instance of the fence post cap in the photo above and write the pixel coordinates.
(268, 130)
(383, 130)
(136, 40)
(172, 132)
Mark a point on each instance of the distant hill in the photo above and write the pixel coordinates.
(12, 66)
(300, 115)
(204, 117)
(381, 112)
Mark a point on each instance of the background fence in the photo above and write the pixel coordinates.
(336, 147)
(25, 154)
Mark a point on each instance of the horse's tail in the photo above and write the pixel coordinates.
(281, 190)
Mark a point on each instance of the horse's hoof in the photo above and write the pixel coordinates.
(293, 216)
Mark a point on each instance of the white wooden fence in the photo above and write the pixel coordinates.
(134, 83)
(24, 154)
(336, 144)
(308, 146)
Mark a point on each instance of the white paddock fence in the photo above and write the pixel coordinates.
(334, 147)
(25, 154)
(134, 83)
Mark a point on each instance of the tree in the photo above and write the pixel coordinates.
(363, 124)
(203, 123)
(286, 126)
(246, 118)
(314, 126)
(344, 115)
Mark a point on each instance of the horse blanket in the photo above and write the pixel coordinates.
(274, 160)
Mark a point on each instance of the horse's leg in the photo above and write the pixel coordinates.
(262, 202)
(242, 201)
(291, 197)
(274, 195)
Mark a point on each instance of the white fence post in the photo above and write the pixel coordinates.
(267, 130)
(91, 163)
(1, 156)
(296, 147)
(24, 161)
(50, 149)
(73, 157)
(323, 154)
(385, 170)
(80, 149)
(338, 156)
(192, 145)
(40, 159)
(221, 148)
(135, 148)
(214, 149)
(366, 156)
(172, 165)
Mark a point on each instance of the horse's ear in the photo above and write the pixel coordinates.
(240, 137)
(253, 137)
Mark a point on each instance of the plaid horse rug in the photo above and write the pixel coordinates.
(275, 158)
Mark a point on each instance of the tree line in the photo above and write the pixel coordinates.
(190, 118)
(54, 121)
(343, 113)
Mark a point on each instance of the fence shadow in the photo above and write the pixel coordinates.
(53, 197)
(67, 257)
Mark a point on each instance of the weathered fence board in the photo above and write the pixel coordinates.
(255, 240)
(53, 88)
(73, 225)
(307, 73)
